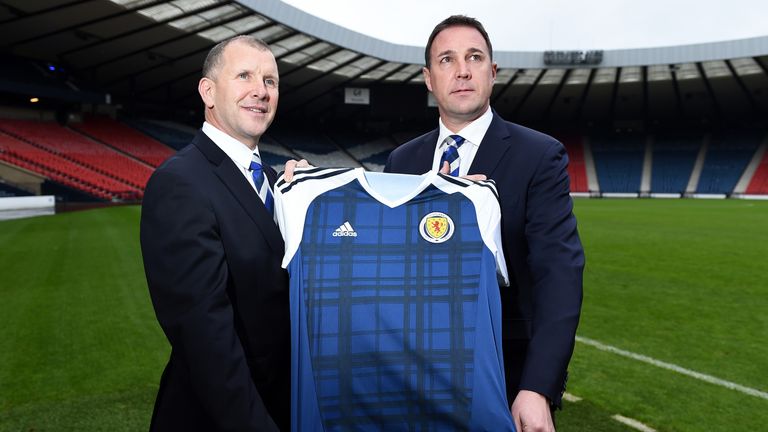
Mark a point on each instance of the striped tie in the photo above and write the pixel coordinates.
(262, 186)
(451, 153)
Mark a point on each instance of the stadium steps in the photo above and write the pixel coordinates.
(76, 148)
(124, 139)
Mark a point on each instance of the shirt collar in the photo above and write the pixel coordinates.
(473, 132)
(237, 151)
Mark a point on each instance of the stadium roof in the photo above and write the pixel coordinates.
(152, 51)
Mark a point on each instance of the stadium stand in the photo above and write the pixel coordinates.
(759, 182)
(7, 190)
(673, 158)
(618, 162)
(64, 171)
(369, 150)
(317, 149)
(577, 169)
(124, 138)
(167, 133)
(728, 155)
(74, 147)
(274, 154)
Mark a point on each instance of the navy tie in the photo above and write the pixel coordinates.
(451, 153)
(262, 186)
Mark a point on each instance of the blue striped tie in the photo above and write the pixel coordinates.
(451, 153)
(258, 180)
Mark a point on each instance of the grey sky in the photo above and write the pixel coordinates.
(537, 25)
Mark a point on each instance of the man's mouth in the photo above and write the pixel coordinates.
(259, 110)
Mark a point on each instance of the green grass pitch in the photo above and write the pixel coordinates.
(680, 281)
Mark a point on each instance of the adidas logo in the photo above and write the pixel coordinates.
(345, 230)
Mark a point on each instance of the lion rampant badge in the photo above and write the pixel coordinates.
(436, 227)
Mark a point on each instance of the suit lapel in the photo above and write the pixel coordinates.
(425, 153)
(495, 144)
(241, 190)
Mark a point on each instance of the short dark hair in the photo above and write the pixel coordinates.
(455, 21)
(213, 59)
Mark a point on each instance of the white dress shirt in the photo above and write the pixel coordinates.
(473, 135)
(240, 154)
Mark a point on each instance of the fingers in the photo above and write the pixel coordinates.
(518, 426)
(446, 168)
(531, 412)
(290, 168)
(475, 177)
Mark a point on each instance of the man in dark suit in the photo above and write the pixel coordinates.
(212, 257)
(543, 252)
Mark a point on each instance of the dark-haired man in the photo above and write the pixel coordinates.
(543, 252)
(212, 257)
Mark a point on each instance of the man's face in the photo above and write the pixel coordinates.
(241, 97)
(460, 75)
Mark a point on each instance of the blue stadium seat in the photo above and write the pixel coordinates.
(172, 137)
(728, 155)
(673, 160)
(619, 162)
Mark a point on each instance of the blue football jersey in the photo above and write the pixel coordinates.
(394, 297)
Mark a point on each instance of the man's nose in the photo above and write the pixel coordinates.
(259, 89)
(463, 71)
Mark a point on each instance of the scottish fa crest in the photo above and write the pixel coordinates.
(436, 227)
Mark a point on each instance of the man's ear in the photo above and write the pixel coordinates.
(427, 78)
(494, 68)
(207, 89)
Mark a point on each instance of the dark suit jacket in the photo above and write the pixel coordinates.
(212, 258)
(543, 252)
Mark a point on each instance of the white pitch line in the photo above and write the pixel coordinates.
(673, 367)
(633, 423)
(571, 397)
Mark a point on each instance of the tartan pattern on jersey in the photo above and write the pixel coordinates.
(390, 316)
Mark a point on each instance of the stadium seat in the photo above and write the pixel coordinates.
(65, 170)
(673, 158)
(759, 182)
(75, 147)
(728, 156)
(577, 169)
(316, 148)
(124, 138)
(619, 162)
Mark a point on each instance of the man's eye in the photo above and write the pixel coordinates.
(243, 75)
(475, 57)
(269, 82)
(445, 60)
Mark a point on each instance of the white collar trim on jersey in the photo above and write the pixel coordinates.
(372, 185)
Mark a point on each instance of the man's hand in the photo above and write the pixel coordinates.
(531, 413)
(291, 166)
(446, 169)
